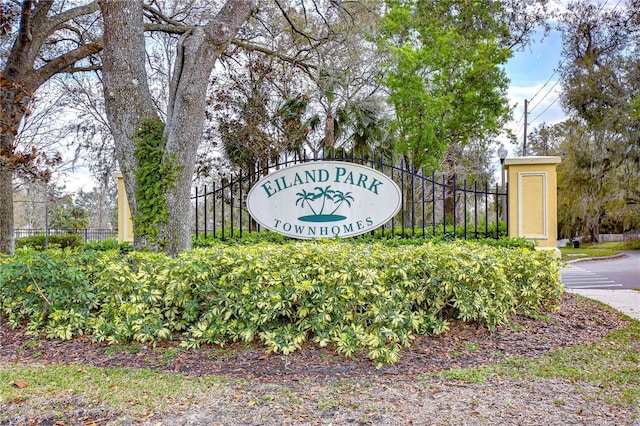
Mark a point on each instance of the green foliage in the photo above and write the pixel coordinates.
(69, 216)
(354, 296)
(39, 242)
(508, 242)
(632, 245)
(234, 236)
(444, 76)
(141, 306)
(50, 291)
(597, 188)
(106, 245)
(598, 249)
(448, 232)
(599, 177)
(398, 235)
(155, 175)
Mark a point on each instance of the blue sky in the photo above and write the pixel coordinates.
(534, 76)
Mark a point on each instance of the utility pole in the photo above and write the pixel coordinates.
(524, 143)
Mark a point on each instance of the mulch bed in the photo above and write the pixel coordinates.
(465, 345)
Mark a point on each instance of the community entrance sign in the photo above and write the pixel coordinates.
(324, 199)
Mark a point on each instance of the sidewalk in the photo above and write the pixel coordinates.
(625, 301)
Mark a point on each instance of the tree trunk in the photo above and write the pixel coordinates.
(128, 99)
(12, 111)
(6, 210)
(6, 192)
(593, 225)
(126, 92)
(185, 119)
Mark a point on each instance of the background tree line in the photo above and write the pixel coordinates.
(253, 80)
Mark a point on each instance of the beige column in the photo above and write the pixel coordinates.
(533, 205)
(125, 225)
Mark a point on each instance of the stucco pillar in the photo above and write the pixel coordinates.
(125, 225)
(533, 201)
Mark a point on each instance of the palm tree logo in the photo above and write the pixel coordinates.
(322, 196)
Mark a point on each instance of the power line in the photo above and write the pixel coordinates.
(544, 97)
(545, 110)
(520, 121)
(603, 6)
(600, 9)
(518, 129)
(543, 86)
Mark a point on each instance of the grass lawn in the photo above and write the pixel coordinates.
(598, 250)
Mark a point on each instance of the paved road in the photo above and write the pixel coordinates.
(612, 274)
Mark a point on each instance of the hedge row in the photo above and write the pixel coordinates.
(353, 296)
(40, 241)
(399, 234)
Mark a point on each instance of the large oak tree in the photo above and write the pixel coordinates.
(129, 102)
(44, 38)
(601, 82)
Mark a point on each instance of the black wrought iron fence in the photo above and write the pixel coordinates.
(433, 204)
(91, 234)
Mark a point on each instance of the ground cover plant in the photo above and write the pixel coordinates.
(371, 297)
(578, 365)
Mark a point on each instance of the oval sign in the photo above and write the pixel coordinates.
(324, 199)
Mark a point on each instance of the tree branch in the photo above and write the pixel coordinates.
(73, 70)
(63, 62)
(167, 28)
(38, 14)
(293, 26)
(257, 48)
(56, 21)
(162, 17)
(177, 71)
(23, 42)
(70, 28)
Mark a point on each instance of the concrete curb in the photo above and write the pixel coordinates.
(587, 259)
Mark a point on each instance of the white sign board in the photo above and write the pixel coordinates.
(324, 199)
